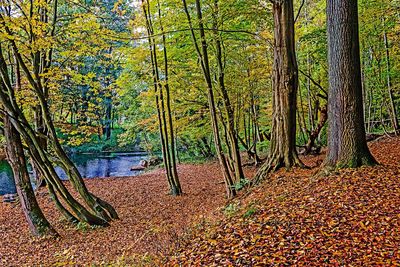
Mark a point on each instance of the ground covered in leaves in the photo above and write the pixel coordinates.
(150, 221)
(351, 218)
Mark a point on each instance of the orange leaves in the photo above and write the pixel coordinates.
(349, 219)
(352, 218)
(150, 221)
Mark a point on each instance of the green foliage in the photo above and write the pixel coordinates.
(96, 144)
(250, 212)
(82, 226)
(101, 70)
(242, 184)
(231, 209)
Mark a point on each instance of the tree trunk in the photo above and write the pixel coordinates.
(347, 146)
(169, 159)
(38, 224)
(41, 157)
(285, 84)
(177, 189)
(205, 67)
(232, 137)
(389, 81)
(108, 119)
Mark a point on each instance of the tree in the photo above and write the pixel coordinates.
(37, 222)
(285, 84)
(205, 67)
(347, 146)
(12, 37)
(163, 106)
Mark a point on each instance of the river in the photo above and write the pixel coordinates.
(89, 165)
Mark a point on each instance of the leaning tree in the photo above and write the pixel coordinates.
(37, 222)
(17, 48)
(347, 145)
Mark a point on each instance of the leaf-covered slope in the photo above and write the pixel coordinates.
(351, 218)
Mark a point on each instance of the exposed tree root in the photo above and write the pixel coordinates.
(274, 163)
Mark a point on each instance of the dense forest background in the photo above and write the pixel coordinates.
(100, 81)
(272, 96)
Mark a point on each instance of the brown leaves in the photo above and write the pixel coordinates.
(352, 218)
(150, 220)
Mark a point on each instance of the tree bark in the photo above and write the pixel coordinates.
(177, 189)
(232, 136)
(167, 138)
(41, 157)
(389, 81)
(285, 84)
(347, 146)
(205, 67)
(37, 222)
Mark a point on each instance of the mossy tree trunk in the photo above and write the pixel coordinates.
(347, 146)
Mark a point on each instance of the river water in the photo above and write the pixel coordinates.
(89, 165)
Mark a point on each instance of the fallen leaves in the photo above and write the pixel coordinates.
(150, 221)
(352, 219)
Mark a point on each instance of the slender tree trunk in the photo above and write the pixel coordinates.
(37, 222)
(164, 121)
(389, 81)
(205, 67)
(285, 84)
(233, 142)
(153, 55)
(108, 119)
(177, 189)
(347, 146)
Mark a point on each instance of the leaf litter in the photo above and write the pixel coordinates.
(351, 218)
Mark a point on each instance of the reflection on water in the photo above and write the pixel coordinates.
(89, 165)
(105, 165)
(7, 185)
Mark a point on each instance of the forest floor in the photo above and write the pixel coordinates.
(294, 218)
(351, 218)
(150, 220)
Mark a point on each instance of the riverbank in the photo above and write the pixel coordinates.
(265, 225)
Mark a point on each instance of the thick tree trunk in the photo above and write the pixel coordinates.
(285, 83)
(38, 224)
(347, 146)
